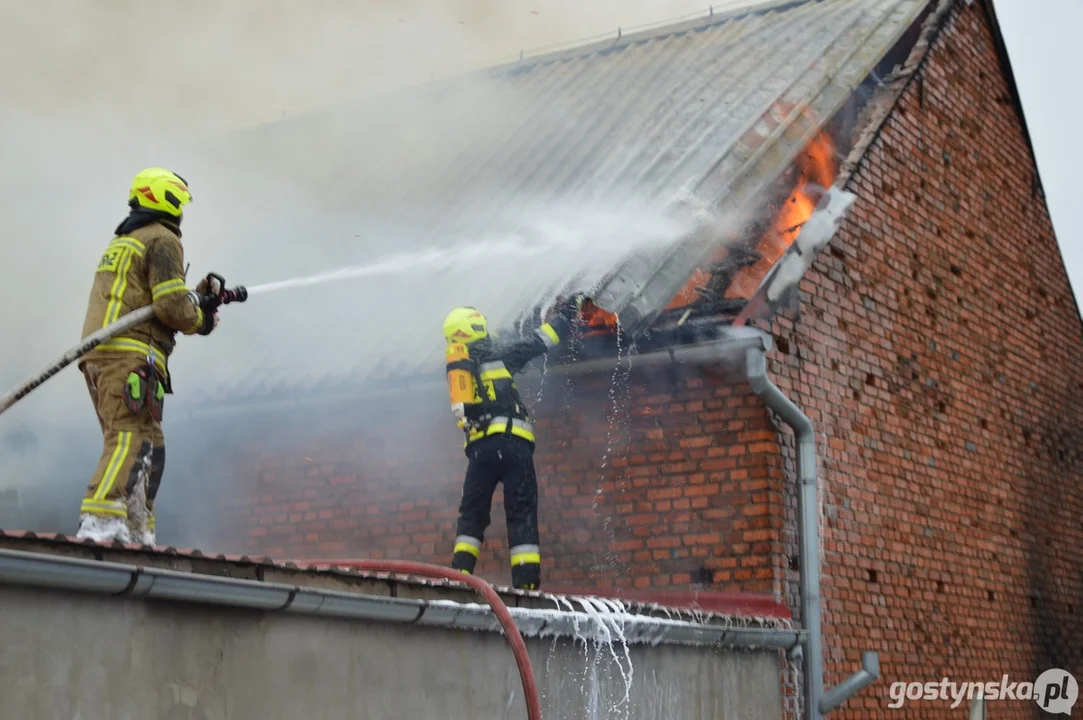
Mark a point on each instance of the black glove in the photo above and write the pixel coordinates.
(569, 309)
(209, 303)
(208, 314)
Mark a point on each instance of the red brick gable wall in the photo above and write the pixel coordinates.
(658, 479)
(939, 354)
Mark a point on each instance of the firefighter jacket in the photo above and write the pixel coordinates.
(480, 377)
(140, 267)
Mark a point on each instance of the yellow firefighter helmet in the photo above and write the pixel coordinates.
(465, 325)
(159, 189)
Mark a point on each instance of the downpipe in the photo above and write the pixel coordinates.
(127, 322)
(817, 702)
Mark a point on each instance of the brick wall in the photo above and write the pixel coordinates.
(939, 354)
(662, 478)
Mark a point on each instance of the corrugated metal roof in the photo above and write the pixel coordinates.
(712, 111)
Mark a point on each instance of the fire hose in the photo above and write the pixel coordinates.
(126, 322)
(515, 638)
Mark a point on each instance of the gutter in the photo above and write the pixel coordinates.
(730, 345)
(50, 572)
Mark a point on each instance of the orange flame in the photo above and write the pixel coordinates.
(597, 319)
(816, 165)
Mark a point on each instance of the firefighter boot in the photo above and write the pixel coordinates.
(525, 567)
(137, 513)
(465, 555)
(103, 528)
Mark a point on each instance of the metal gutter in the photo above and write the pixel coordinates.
(808, 512)
(732, 343)
(37, 570)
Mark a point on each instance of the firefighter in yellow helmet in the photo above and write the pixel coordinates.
(499, 435)
(127, 376)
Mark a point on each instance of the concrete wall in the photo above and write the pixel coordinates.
(91, 657)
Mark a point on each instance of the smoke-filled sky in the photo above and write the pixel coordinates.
(94, 91)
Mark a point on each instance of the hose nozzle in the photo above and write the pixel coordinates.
(227, 296)
(237, 294)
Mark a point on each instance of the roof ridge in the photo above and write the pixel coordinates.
(582, 47)
(733, 10)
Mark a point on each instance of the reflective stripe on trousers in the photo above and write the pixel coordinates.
(131, 345)
(525, 555)
(519, 428)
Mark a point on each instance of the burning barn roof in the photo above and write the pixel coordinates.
(748, 113)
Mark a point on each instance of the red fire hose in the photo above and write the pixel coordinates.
(405, 567)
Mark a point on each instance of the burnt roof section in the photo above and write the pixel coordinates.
(708, 112)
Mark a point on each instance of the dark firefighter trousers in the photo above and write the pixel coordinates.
(509, 460)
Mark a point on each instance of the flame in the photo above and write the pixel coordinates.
(597, 319)
(817, 165)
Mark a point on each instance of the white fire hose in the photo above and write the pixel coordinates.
(85, 345)
(128, 321)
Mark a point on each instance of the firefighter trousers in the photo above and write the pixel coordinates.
(130, 469)
(509, 460)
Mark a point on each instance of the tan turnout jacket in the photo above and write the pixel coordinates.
(142, 268)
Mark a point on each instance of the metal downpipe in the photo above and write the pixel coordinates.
(816, 702)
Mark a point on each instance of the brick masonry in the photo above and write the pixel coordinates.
(658, 479)
(939, 353)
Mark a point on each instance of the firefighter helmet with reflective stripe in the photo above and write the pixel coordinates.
(161, 190)
(465, 325)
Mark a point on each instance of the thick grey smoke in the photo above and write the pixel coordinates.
(93, 92)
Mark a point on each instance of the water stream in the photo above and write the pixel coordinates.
(419, 262)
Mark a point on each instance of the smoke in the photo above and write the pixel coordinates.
(111, 88)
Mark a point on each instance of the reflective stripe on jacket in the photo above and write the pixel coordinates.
(497, 407)
(144, 267)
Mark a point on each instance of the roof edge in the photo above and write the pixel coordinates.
(1009, 77)
(896, 85)
(989, 6)
(38, 561)
(719, 350)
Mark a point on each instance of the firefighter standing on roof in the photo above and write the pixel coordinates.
(127, 376)
(499, 435)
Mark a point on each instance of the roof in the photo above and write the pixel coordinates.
(337, 574)
(590, 168)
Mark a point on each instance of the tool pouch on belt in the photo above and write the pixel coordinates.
(142, 390)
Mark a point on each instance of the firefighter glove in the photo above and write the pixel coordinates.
(569, 309)
(210, 285)
(209, 305)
